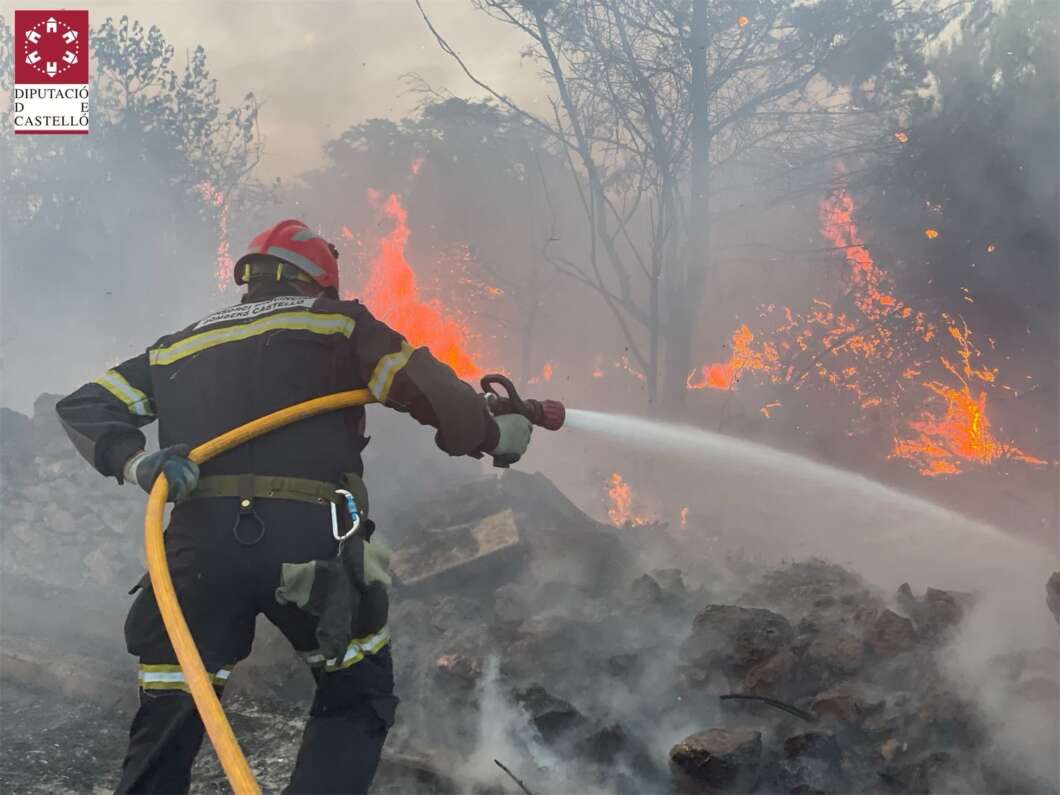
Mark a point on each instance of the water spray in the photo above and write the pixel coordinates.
(880, 522)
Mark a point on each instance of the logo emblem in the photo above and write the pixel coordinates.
(51, 47)
(51, 71)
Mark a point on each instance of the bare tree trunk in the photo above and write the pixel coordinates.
(688, 296)
(526, 343)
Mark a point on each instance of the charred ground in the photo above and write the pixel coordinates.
(529, 633)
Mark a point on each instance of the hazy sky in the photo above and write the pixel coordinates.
(321, 66)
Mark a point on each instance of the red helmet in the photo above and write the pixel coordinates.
(296, 244)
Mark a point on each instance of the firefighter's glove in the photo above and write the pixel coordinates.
(181, 472)
(515, 438)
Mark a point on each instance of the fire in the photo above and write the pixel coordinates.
(620, 509)
(741, 21)
(724, 375)
(903, 138)
(225, 263)
(931, 234)
(684, 517)
(393, 296)
(959, 433)
(765, 409)
(546, 375)
(881, 352)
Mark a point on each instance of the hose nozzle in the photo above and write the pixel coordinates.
(547, 414)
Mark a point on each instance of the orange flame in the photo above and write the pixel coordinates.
(225, 263)
(684, 517)
(961, 433)
(765, 409)
(392, 295)
(620, 510)
(877, 354)
(724, 375)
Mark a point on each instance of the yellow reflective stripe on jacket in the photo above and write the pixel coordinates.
(135, 400)
(316, 322)
(385, 370)
(357, 650)
(171, 677)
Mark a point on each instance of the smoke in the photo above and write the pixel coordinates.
(1007, 660)
(106, 245)
(504, 734)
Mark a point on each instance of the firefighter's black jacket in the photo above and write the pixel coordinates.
(262, 355)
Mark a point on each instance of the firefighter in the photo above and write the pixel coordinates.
(248, 526)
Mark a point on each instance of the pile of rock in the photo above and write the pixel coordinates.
(64, 525)
(527, 630)
(871, 707)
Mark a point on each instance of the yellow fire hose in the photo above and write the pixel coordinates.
(218, 729)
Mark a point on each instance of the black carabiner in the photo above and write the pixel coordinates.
(246, 509)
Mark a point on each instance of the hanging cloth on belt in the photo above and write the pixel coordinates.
(347, 592)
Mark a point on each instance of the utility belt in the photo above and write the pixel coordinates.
(348, 592)
(350, 494)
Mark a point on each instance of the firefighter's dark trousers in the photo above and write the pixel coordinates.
(222, 585)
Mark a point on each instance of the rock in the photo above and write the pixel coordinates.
(552, 717)
(16, 430)
(452, 613)
(735, 638)
(943, 716)
(828, 595)
(771, 678)
(672, 582)
(889, 750)
(593, 558)
(457, 551)
(834, 654)
(808, 776)
(57, 520)
(934, 615)
(458, 670)
(930, 773)
(646, 591)
(720, 759)
(811, 764)
(612, 745)
(892, 634)
(604, 745)
(889, 717)
(839, 703)
(818, 744)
